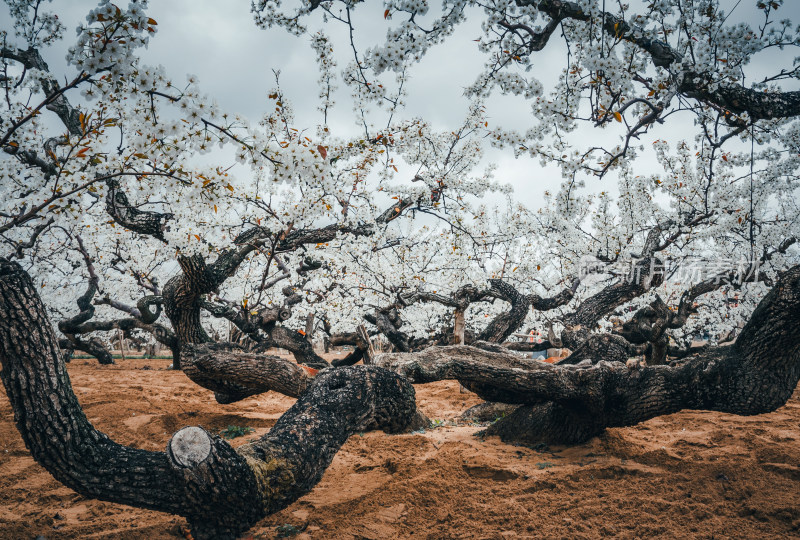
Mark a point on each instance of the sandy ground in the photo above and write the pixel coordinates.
(692, 474)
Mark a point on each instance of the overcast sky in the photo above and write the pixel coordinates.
(219, 42)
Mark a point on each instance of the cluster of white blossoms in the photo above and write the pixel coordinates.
(110, 38)
(327, 77)
(419, 7)
(268, 14)
(408, 41)
(514, 83)
(718, 190)
(36, 29)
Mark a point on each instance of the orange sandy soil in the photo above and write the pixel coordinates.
(692, 474)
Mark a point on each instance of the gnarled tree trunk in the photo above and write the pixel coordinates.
(234, 374)
(222, 491)
(505, 324)
(571, 403)
(459, 326)
(71, 327)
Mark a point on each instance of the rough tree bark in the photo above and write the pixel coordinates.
(222, 491)
(388, 322)
(233, 373)
(127, 215)
(309, 330)
(571, 403)
(508, 322)
(578, 324)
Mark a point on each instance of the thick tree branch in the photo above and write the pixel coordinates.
(55, 101)
(31, 241)
(650, 323)
(755, 375)
(732, 97)
(505, 324)
(130, 217)
(222, 491)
